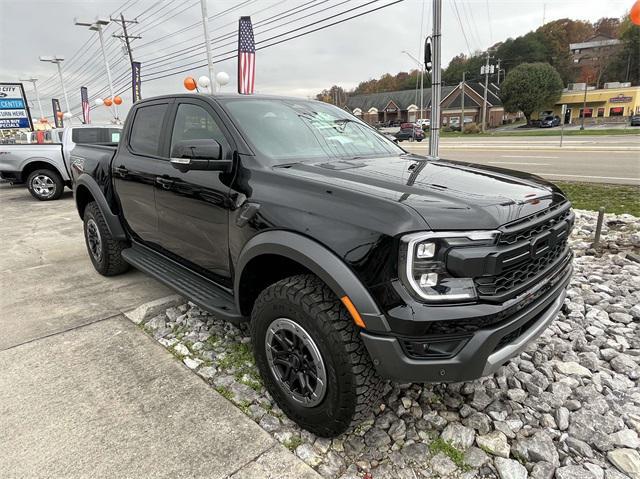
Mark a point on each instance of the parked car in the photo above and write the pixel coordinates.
(635, 120)
(423, 122)
(46, 167)
(549, 121)
(352, 260)
(409, 131)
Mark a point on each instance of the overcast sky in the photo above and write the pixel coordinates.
(344, 54)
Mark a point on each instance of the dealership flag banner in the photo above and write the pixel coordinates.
(55, 103)
(135, 81)
(14, 109)
(86, 109)
(246, 57)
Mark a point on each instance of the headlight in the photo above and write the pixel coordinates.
(422, 264)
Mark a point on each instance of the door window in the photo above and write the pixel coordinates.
(195, 123)
(147, 129)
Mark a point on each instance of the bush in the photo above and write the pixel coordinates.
(471, 128)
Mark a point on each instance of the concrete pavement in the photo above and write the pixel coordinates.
(83, 392)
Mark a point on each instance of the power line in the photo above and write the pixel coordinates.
(289, 38)
(464, 34)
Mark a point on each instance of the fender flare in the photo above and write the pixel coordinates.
(43, 159)
(322, 262)
(113, 221)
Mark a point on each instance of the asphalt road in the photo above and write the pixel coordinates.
(597, 159)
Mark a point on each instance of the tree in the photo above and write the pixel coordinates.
(334, 95)
(625, 64)
(529, 87)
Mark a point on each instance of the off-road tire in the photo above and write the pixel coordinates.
(53, 177)
(353, 386)
(110, 262)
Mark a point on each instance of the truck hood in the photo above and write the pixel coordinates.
(449, 195)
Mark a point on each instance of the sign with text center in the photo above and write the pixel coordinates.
(14, 110)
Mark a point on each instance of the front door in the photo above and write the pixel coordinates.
(193, 206)
(136, 166)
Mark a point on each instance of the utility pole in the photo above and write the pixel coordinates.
(126, 37)
(464, 77)
(35, 89)
(484, 97)
(584, 103)
(421, 66)
(436, 84)
(97, 27)
(58, 61)
(205, 25)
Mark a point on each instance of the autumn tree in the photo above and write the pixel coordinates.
(529, 87)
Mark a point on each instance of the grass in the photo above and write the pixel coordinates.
(455, 454)
(293, 442)
(616, 199)
(225, 392)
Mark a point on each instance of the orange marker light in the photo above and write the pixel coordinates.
(353, 311)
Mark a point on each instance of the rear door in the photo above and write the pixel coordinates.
(193, 206)
(137, 164)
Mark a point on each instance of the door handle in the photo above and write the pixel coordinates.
(165, 183)
(122, 171)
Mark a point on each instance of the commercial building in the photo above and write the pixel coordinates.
(591, 51)
(404, 106)
(612, 104)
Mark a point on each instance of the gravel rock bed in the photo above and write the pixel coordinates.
(568, 407)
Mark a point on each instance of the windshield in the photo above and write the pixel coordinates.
(290, 130)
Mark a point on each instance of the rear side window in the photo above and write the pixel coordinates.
(86, 135)
(147, 129)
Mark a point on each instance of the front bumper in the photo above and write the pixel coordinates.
(482, 352)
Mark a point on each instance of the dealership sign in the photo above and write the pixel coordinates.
(14, 111)
(620, 99)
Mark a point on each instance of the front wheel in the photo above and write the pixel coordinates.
(311, 358)
(103, 249)
(45, 185)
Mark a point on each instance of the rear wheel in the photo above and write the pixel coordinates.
(45, 185)
(104, 250)
(311, 357)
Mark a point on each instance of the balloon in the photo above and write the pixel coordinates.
(190, 83)
(117, 100)
(222, 78)
(204, 82)
(43, 120)
(107, 101)
(67, 115)
(99, 101)
(634, 14)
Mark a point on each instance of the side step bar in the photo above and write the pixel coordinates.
(198, 289)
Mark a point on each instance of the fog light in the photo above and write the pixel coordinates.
(429, 279)
(426, 250)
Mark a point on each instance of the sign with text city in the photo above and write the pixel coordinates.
(14, 110)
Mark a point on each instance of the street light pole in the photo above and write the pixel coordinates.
(58, 61)
(464, 77)
(434, 137)
(35, 89)
(97, 26)
(207, 42)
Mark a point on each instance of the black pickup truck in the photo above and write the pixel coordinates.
(352, 260)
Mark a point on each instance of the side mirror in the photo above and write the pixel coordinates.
(198, 155)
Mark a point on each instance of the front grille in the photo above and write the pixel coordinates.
(509, 238)
(511, 279)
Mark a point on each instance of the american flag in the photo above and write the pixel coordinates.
(246, 57)
(86, 109)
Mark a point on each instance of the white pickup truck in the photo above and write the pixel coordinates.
(46, 168)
